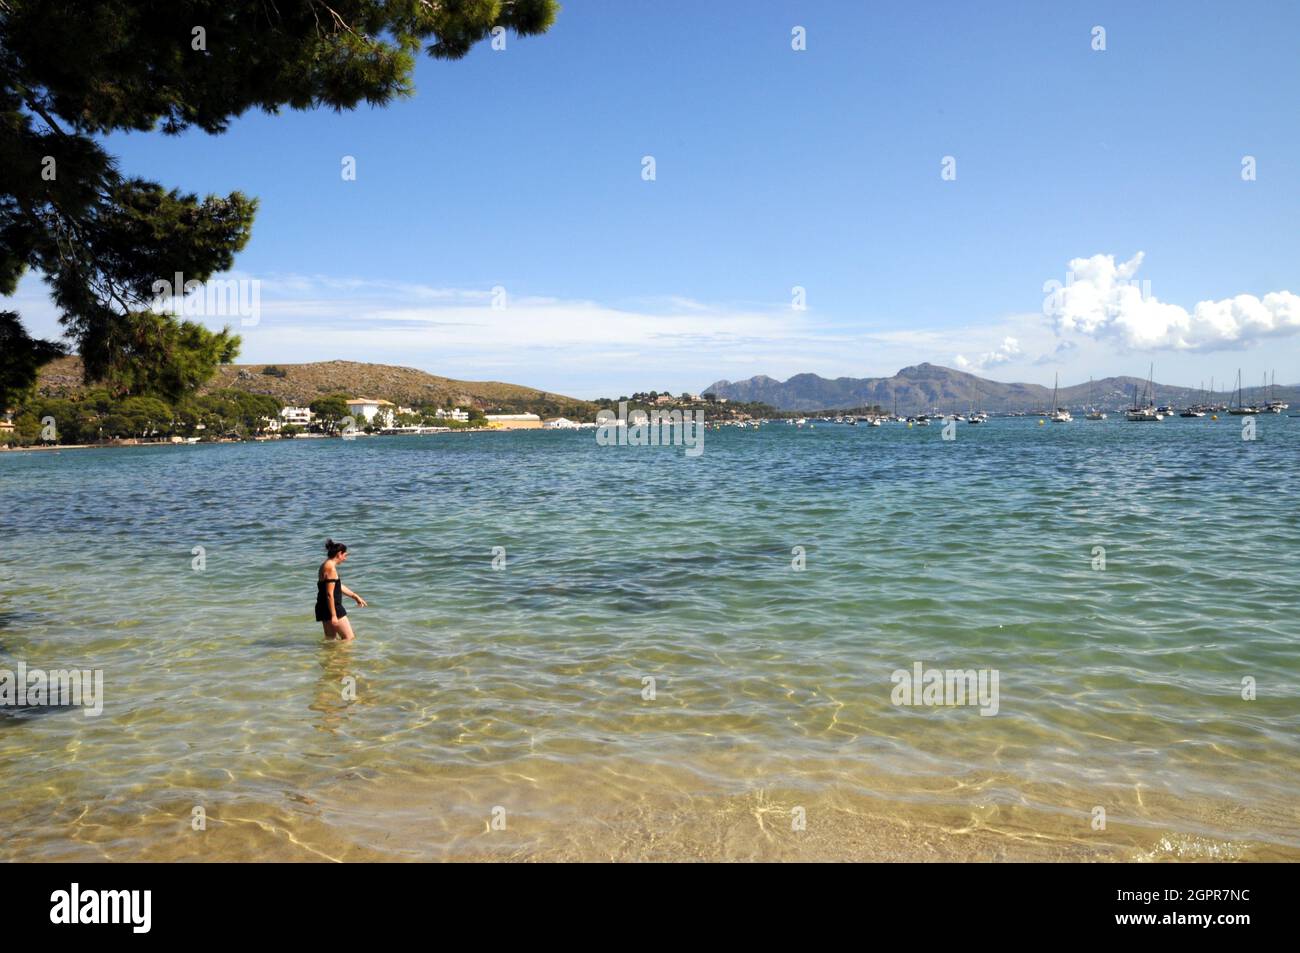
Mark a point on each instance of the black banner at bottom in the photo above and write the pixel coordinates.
(133, 902)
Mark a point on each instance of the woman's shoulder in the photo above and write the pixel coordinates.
(328, 571)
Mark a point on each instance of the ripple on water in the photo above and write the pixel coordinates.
(771, 685)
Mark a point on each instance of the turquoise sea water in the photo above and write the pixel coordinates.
(518, 694)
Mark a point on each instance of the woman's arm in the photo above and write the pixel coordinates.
(352, 595)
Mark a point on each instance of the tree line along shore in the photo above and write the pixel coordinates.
(97, 416)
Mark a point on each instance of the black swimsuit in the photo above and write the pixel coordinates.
(323, 600)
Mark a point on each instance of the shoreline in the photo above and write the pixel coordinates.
(46, 448)
(121, 444)
(602, 810)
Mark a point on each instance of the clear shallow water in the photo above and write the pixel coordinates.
(522, 689)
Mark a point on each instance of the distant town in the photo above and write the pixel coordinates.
(258, 404)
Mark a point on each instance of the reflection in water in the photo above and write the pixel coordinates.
(338, 687)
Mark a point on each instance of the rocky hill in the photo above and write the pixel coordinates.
(928, 387)
(303, 383)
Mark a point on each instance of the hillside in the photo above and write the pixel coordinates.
(927, 387)
(303, 383)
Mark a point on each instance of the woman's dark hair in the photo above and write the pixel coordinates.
(332, 548)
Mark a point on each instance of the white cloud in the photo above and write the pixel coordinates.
(589, 348)
(1006, 352)
(1102, 299)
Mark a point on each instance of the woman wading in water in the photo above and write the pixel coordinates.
(330, 592)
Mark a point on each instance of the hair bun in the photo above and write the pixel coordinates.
(329, 544)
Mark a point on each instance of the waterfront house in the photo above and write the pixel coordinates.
(369, 409)
(514, 421)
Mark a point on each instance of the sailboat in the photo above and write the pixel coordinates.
(1146, 412)
(1196, 410)
(1059, 414)
(974, 415)
(1093, 413)
(1212, 405)
(1241, 409)
(1274, 406)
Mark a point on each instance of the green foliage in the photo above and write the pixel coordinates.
(155, 354)
(329, 411)
(272, 371)
(75, 70)
(101, 414)
(20, 358)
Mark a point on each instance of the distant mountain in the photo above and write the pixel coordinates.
(303, 383)
(930, 387)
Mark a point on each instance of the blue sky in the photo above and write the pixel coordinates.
(522, 170)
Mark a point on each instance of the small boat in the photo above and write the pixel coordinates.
(1240, 408)
(1145, 412)
(1059, 415)
(1274, 406)
(1093, 413)
(1141, 415)
(1198, 409)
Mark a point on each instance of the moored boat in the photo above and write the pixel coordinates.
(1240, 408)
(1059, 415)
(1145, 412)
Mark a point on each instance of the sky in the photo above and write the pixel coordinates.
(904, 189)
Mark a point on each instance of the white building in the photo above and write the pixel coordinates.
(298, 416)
(456, 414)
(365, 407)
(560, 423)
